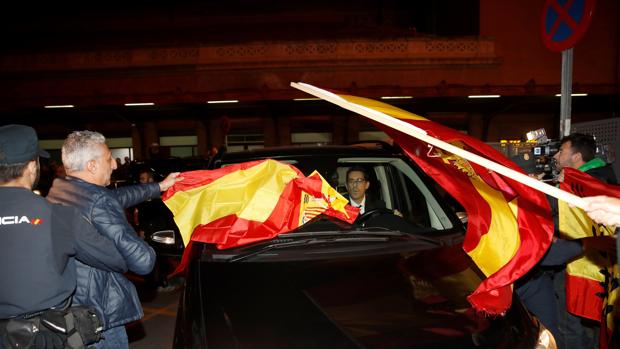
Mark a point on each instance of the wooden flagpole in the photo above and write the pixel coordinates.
(423, 136)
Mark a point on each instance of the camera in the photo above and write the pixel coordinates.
(543, 157)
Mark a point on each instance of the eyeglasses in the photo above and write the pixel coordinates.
(356, 181)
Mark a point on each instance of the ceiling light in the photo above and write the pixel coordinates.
(137, 104)
(573, 94)
(223, 101)
(483, 96)
(396, 97)
(59, 106)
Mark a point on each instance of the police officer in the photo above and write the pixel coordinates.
(40, 239)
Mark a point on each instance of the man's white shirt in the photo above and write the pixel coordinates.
(362, 205)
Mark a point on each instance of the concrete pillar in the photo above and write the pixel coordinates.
(339, 129)
(475, 125)
(216, 135)
(136, 143)
(284, 130)
(353, 128)
(150, 136)
(270, 134)
(202, 137)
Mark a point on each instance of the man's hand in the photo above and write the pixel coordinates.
(603, 209)
(397, 213)
(601, 243)
(170, 180)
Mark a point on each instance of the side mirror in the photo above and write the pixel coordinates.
(165, 237)
(463, 217)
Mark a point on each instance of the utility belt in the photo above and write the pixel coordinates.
(59, 327)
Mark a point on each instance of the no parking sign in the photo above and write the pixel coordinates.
(564, 22)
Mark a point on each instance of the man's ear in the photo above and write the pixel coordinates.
(577, 157)
(32, 166)
(91, 166)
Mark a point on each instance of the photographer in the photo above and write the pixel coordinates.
(576, 151)
(40, 240)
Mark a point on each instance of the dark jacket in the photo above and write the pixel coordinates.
(111, 293)
(370, 204)
(39, 240)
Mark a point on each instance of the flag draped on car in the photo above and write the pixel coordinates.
(249, 202)
(510, 226)
(591, 280)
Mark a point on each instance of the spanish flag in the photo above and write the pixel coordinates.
(510, 225)
(249, 202)
(591, 280)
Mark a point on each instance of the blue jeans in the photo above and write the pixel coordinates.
(113, 338)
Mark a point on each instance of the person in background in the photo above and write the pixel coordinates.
(40, 240)
(89, 165)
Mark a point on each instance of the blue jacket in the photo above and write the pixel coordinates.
(113, 295)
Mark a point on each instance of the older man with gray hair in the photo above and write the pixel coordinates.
(89, 165)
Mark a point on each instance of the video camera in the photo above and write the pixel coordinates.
(543, 157)
(541, 153)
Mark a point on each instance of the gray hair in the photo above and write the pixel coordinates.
(79, 148)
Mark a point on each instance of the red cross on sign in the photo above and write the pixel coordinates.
(565, 22)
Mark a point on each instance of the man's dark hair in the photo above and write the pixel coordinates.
(581, 143)
(358, 168)
(9, 172)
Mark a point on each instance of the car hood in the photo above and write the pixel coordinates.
(389, 300)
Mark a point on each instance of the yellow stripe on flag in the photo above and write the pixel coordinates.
(575, 224)
(500, 243)
(383, 107)
(250, 194)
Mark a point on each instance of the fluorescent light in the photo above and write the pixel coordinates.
(223, 101)
(306, 99)
(573, 94)
(137, 104)
(59, 106)
(396, 97)
(483, 96)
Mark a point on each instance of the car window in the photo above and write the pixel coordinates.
(400, 187)
(392, 180)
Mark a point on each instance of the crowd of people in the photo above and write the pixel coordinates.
(75, 244)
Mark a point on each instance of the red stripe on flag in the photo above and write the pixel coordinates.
(581, 298)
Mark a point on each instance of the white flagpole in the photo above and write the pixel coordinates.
(423, 136)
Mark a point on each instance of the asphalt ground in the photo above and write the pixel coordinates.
(156, 329)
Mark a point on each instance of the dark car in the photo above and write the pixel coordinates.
(380, 282)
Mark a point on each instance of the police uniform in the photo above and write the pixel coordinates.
(39, 240)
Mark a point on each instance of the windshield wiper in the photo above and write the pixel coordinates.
(373, 231)
(289, 240)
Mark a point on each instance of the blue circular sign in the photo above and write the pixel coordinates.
(565, 22)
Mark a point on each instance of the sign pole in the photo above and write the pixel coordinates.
(567, 88)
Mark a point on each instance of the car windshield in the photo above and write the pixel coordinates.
(393, 180)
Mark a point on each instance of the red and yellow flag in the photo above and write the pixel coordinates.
(591, 280)
(249, 202)
(510, 225)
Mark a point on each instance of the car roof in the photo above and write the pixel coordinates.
(359, 149)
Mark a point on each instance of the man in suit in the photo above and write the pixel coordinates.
(357, 185)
